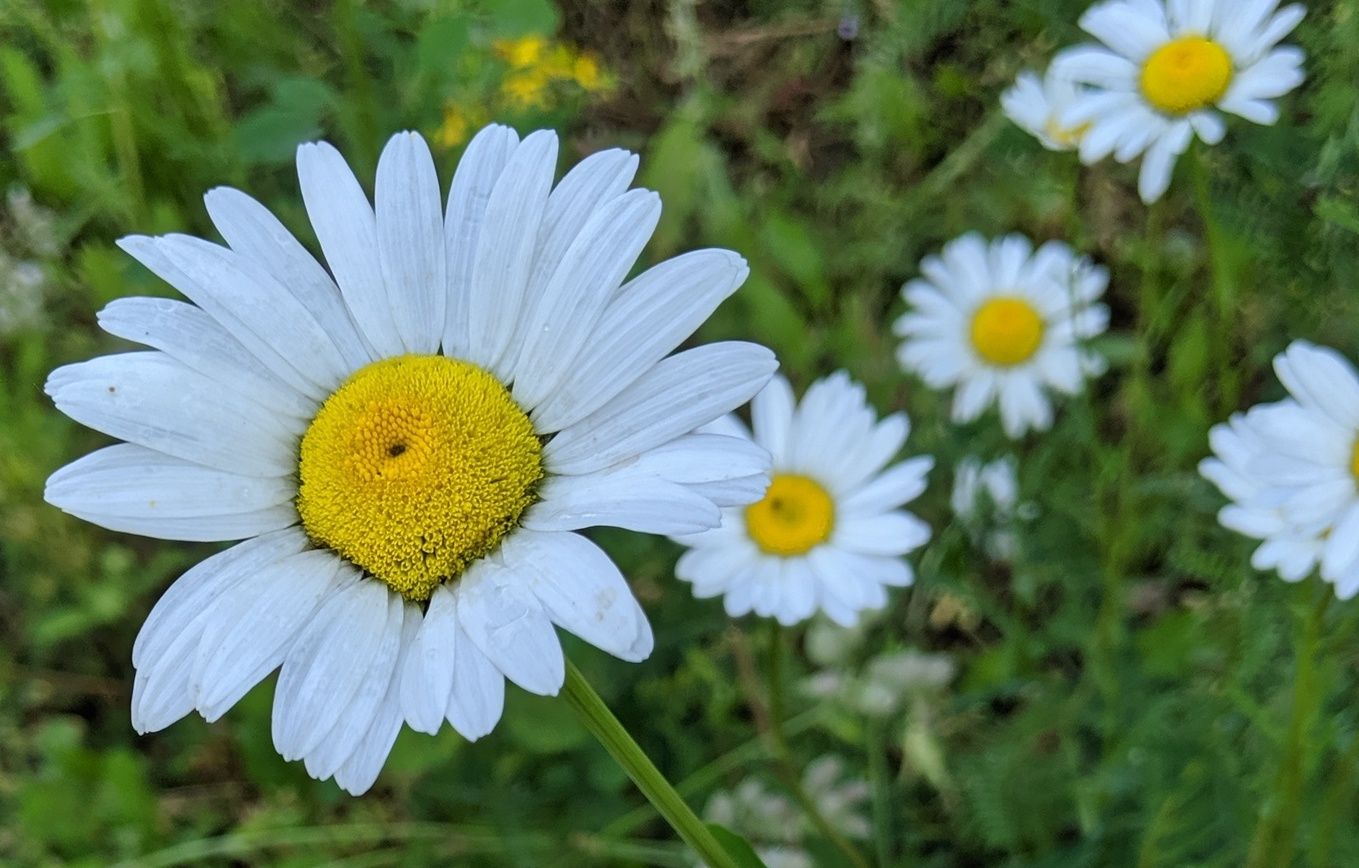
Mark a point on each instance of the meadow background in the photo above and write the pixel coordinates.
(1122, 690)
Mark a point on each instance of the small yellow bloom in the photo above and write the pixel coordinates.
(455, 128)
(526, 89)
(523, 52)
(586, 73)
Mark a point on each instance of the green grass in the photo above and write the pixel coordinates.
(1129, 692)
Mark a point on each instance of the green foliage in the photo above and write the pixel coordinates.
(1126, 684)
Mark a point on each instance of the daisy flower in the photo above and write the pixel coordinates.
(1003, 323)
(1165, 71)
(830, 532)
(1037, 104)
(985, 499)
(1291, 470)
(408, 440)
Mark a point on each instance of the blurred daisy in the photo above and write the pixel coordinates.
(830, 532)
(1037, 104)
(1004, 323)
(985, 497)
(407, 441)
(1166, 69)
(1291, 470)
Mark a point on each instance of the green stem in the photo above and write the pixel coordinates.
(1276, 831)
(881, 791)
(628, 754)
(1224, 287)
(783, 757)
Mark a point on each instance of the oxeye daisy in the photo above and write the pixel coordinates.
(1165, 71)
(1002, 324)
(1291, 470)
(407, 440)
(1037, 104)
(829, 532)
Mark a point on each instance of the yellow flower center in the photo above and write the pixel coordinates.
(1067, 137)
(795, 516)
(1006, 331)
(416, 467)
(1186, 74)
(1354, 460)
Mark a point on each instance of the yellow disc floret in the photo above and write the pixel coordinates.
(1354, 460)
(796, 516)
(1186, 74)
(1006, 331)
(415, 467)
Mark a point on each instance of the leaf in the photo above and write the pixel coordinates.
(737, 847)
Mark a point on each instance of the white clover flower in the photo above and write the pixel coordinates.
(1037, 104)
(751, 809)
(1003, 324)
(830, 532)
(841, 801)
(1165, 71)
(1290, 470)
(408, 441)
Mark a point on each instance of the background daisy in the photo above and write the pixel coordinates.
(1165, 70)
(829, 532)
(1037, 104)
(1291, 470)
(1001, 323)
(379, 432)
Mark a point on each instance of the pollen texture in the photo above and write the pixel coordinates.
(416, 467)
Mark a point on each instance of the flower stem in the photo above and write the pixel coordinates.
(1273, 841)
(625, 750)
(783, 757)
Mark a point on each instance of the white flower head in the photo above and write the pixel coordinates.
(1165, 71)
(829, 533)
(1001, 323)
(1290, 470)
(1038, 103)
(408, 440)
(975, 485)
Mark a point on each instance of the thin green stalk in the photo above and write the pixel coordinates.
(1276, 830)
(1224, 287)
(783, 757)
(881, 791)
(605, 727)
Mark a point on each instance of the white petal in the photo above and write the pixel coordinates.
(189, 335)
(361, 770)
(133, 489)
(476, 175)
(887, 533)
(410, 234)
(250, 628)
(581, 590)
(478, 696)
(771, 416)
(629, 498)
(650, 317)
(323, 671)
(192, 593)
(427, 681)
(505, 246)
(510, 627)
(344, 224)
(378, 675)
(676, 396)
(252, 231)
(150, 399)
(897, 485)
(560, 323)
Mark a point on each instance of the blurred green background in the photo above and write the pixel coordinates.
(1125, 691)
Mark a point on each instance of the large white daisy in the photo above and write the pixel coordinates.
(830, 532)
(1291, 470)
(1003, 323)
(1166, 69)
(409, 440)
